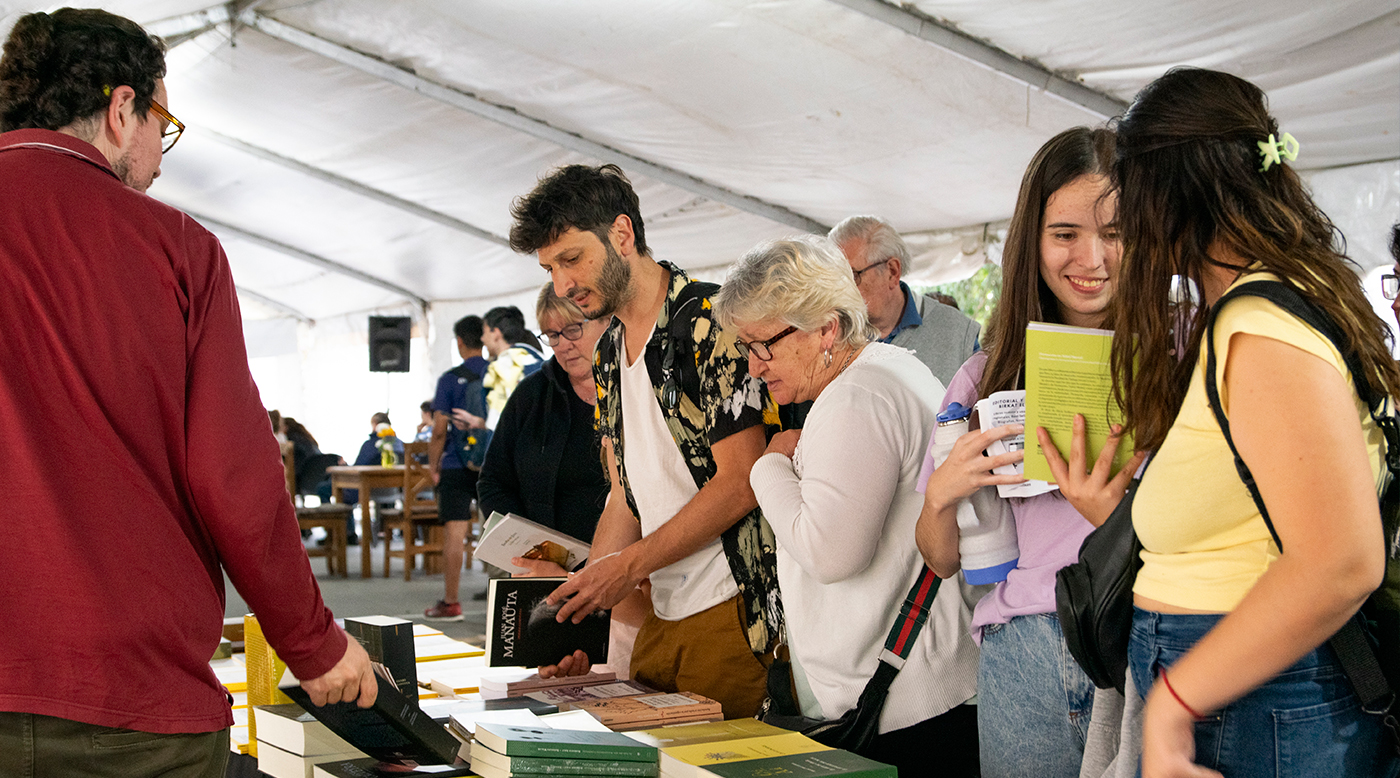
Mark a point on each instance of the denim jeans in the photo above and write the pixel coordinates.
(1033, 701)
(1306, 722)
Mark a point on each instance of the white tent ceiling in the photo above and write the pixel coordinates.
(362, 154)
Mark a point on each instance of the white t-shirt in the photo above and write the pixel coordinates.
(661, 486)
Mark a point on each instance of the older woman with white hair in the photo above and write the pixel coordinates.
(840, 496)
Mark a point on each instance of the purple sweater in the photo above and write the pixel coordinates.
(1049, 532)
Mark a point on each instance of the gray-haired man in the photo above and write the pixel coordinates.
(939, 335)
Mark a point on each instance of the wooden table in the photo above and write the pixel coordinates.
(364, 478)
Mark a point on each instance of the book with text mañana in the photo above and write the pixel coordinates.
(1067, 373)
(521, 628)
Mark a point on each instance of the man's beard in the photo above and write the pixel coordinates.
(122, 167)
(614, 284)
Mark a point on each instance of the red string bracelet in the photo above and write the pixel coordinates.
(1189, 709)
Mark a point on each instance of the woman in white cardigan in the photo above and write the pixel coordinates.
(840, 497)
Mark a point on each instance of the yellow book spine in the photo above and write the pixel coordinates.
(264, 671)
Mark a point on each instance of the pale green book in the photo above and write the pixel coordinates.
(1068, 372)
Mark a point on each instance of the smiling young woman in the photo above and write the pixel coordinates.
(1060, 265)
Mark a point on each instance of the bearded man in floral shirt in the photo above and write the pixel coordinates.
(681, 423)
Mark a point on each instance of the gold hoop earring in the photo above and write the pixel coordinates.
(827, 357)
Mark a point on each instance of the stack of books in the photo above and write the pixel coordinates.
(291, 742)
(232, 673)
(502, 750)
(747, 748)
(526, 681)
(431, 648)
(628, 705)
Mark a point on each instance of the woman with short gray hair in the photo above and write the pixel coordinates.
(840, 497)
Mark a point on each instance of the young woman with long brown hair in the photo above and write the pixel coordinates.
(1230, 631)
(1060, 265)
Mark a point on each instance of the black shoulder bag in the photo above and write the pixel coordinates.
(1094, 596)
(856, 730)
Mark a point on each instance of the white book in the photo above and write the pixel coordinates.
(429, 648)
(1002, 408)
(292, 729)
(508, 536)
(277, 763)
(574, 719)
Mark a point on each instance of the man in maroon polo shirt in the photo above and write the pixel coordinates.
(120, 330)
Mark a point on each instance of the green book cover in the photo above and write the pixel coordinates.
(814, 765)
(489, 764)
(1067, 372)
(562, 743)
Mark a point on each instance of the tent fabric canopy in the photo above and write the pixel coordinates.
(361, 156)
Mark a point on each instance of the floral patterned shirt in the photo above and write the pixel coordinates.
(706, 394)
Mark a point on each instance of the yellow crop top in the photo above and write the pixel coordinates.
(1204, 542)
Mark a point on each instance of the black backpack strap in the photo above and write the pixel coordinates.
(1353, 647)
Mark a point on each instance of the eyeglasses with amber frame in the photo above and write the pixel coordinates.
(173, 130)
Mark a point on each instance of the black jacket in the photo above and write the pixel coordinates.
(520, 474)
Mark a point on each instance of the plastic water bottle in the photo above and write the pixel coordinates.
(986, 527)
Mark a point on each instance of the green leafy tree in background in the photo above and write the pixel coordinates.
(976, 295)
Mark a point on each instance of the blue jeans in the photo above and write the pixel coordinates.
(1033, 701)
(1306, 722)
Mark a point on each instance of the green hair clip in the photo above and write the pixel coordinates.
(107, 92)
(1275, 151)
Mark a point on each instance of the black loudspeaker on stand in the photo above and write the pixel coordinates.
(388, 343)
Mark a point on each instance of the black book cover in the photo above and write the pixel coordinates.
(389, 641)
(373, 768)
(394, 729)
(521, 629)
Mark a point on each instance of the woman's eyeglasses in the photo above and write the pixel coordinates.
(571, 332)
(759, 349)
(1390, 286)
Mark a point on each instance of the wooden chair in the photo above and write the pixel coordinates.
(331, 517)
(416, 515)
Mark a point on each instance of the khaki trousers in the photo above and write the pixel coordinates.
(707, 654)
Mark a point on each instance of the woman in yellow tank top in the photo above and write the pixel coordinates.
(1229, 633)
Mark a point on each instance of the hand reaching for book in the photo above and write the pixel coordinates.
(599, 586)
(1092, 492)
(350, 679)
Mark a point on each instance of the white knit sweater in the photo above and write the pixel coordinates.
(844, 511)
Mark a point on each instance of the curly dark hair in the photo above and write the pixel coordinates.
(55, 67)
(578, 196)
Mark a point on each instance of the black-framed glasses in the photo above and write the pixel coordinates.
(571, 332)
(869, 267)
(171, 134)
(1390, 286)
(760, 349)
